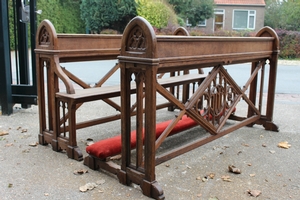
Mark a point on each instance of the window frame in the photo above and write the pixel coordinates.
(203, 24)
(218, 11)
(249, 15)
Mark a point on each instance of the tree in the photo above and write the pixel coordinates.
(103, 14)
(273, 13)
(283, 14)
(193, 10)
(157, 12)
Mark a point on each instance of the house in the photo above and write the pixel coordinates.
(236, 15)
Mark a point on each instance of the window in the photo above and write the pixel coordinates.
(219, 19)
(244, 19)
(202, 23)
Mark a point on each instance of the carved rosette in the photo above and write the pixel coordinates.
(44, 37)
(137, 40)
(212, 104)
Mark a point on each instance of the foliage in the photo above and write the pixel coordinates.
(193, 10)
(283, 14)
(103, 14)
(64, 14)
(289, 43)
(157, 12)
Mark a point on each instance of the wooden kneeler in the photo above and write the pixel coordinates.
(104, 149)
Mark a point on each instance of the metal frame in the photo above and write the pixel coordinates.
(24, 91)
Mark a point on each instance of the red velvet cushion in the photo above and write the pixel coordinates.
(112, 146)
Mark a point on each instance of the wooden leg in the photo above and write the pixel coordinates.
(152, 190)
(73, 150)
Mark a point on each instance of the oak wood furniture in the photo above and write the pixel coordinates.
(57, 106)
(144, 54)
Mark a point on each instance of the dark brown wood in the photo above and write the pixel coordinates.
(59, 129)
(145, 57)
(210, 105)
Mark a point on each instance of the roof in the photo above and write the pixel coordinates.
(240, 2)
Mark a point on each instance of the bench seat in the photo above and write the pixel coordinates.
(97, 93)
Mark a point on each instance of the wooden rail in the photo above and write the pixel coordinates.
(145, 54)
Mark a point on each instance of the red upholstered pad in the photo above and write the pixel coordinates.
(112, 146)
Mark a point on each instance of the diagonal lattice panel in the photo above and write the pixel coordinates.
(216, 99)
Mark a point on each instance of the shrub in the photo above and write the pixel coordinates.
(289, 43)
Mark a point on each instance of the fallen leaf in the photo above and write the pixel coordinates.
(226, 178)
(80, 171)
(254, 193)
(211, 175)
(234, 169)
(26, 151)
(89, 143)
(271, 151)
(204, 179)
(2, 133)
(88, 186)
(24, 131)
(83, 188)
(284, 145)
(116, 157)
(33, 144)
(246, 145)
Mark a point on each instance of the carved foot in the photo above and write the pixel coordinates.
(271, 126)
(75, 153)
(122, 176)
(42, 139)
(54, 144)
(152, 189)
(90, 162)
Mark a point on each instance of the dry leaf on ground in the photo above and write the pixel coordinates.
(2, 133)
(284, 145)
(234, 169)
(80, 171)
(24, 131)
(33, 144)
(226, 178)
(254, 193)
(116, 157)
(88, 186)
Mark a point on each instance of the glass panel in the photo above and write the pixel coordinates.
(251, 22)
(219, 18)
(202, 23)
(240, 19)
